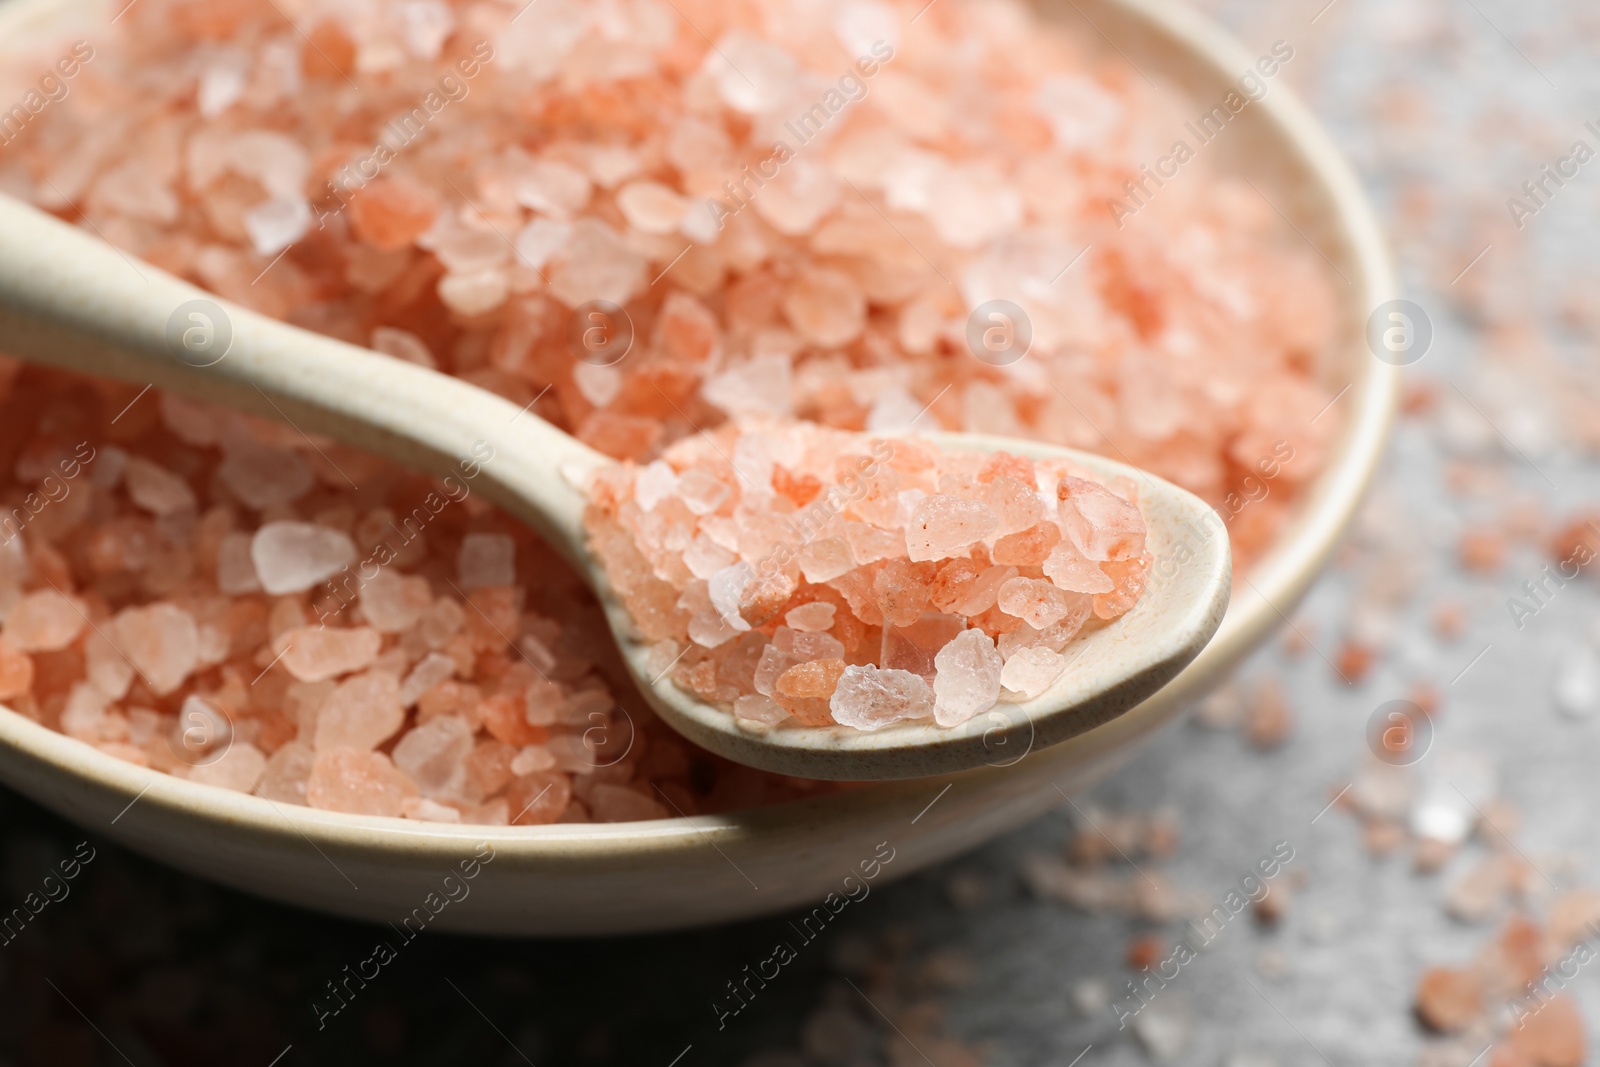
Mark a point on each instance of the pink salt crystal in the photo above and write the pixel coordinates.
(263, 477)
(704, 557)
(815, 617)
(358, 782)
(754, 707)
(984, 591)
(441, 621)
(807, 645)
(968, 678)
(433, 755)
(702, 491)
(45, 621)
(553, 188)
(618, 803)
(157, 489)
(727, 589)
(1035, 602)
(539, 241)
(801, 195)
(539, 798)
(486, 559)
(277, 223)
(532, 758)
(943, 525)
(868, 698)
(654, 483)
(596, 265)
(284, 777)
(425, 810)
(773, 662)
(108, 670)
(291, 557)
(362, 713)
(1016, 504)
(432, 669)
(1068, 569)
(826, 307)
(1030, 671)
(474, 292)
(312, 653)
(825, 559)
(84, 714)
(651, 207)
(239, 769)
(912, 648)
(16, 671)
(394, 602)
(1098, 522)
(161, 641)
(403, 344)
(236, 571)
(868, 544)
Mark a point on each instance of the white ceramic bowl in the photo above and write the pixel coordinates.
(627, 877)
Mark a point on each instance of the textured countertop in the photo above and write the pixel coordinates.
(1445, 107)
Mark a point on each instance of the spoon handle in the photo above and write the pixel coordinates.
(72, 301)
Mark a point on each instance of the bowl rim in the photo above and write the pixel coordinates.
(1263, 595)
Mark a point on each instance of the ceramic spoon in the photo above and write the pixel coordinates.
(72, 301)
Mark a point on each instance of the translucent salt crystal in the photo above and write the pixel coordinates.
(868, 698)
(913, 648)
(84, 714)
(755, 707)
(806, 645)
(944, 525)
(701, 491)
(704, 557)
(711, 629)
(770, 666)
(973, 205)
(727, 588)
(433, 755)
(759, 386)
(222, 82)
(1098, 522)
(825, 559)
(263, 477)
(275, 224)
(815, 617)
(826, 307)
(362, 712)
(596, 264)
(486, 559)
(16, 672)
(984, 591)
(651, 207)
(654, 483)
(554, 188)
(358, 782)
(799, 197)
(474, 293)
(1035, 602)
(538, 242)
(284, 777)
(860, 24)
(1080, 112)
(291, 557)
(425, 25)
(1456, 786)
(424, 810)
(161, 641)
(441, 621)
(394, 602)
(531, 758)
(967, 678)
(894, 411)
(1164, 1031)
(1577, 684)
(403, 344)
(45, 621)
(599, 385)
(240, 768)
(432, 669)
(1068, 569)
(752, 75)
(1030, 671)
(275, 160)
(157, 489)
(313, 653)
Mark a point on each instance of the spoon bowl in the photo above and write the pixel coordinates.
(69, 300)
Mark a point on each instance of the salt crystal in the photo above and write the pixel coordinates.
(654, 483)
(486, 560)
(433, 755)
(45, 621)
(914, 647)
(799, 197)
(825, 306)
(704, 557)
(815, 617)
(432, 669)
(1030, 671)
(1067, 567)
(651, 207)
(752, 75)
(161, 641)
(968, 678)
(554, 188)
(600, 385)
(759, 386)
(240, 768)
(277, 223)
(727, 588)
(861, 24)
(1035, 602)
(291, 557)
(538, 242)
(596, 265)
(393, 602)
(869, 698)
(263, 477)
(474, 293)
(284, 777)
(313, 653)
(425, 25)
(425, 810)
(157, 489)
(1098, 522)
(361, 713)
(236, 570)
(358, 782)
(403, 344)
(943, 525)
(807, 645)
(754, 707)
(222, 82)
(16, 671)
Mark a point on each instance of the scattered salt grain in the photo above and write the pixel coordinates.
(291, 557)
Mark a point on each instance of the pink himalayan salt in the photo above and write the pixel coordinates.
(815, 617)
(968, 678)
(434, 755)
(1030, 671)
(1037, 603)
(263, 477)
(236, 571)
(361, 713)
(425, 810)
(16, 670)
(157, 489)
(312, 653)
(869, 698)
(1099, 523)
(285, 775)
(160, 641)
(943, 525)
(538, 798)
(45, 621)
(239, 769)
(757, 707)
(826, 306)
(913, 648)
(486, 559)
(107, 669)
(291, 557)
(393, 602)
(430, 671)
(1069, 569)
(357, 781)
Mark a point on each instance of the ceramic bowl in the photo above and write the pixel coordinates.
(629, 877)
